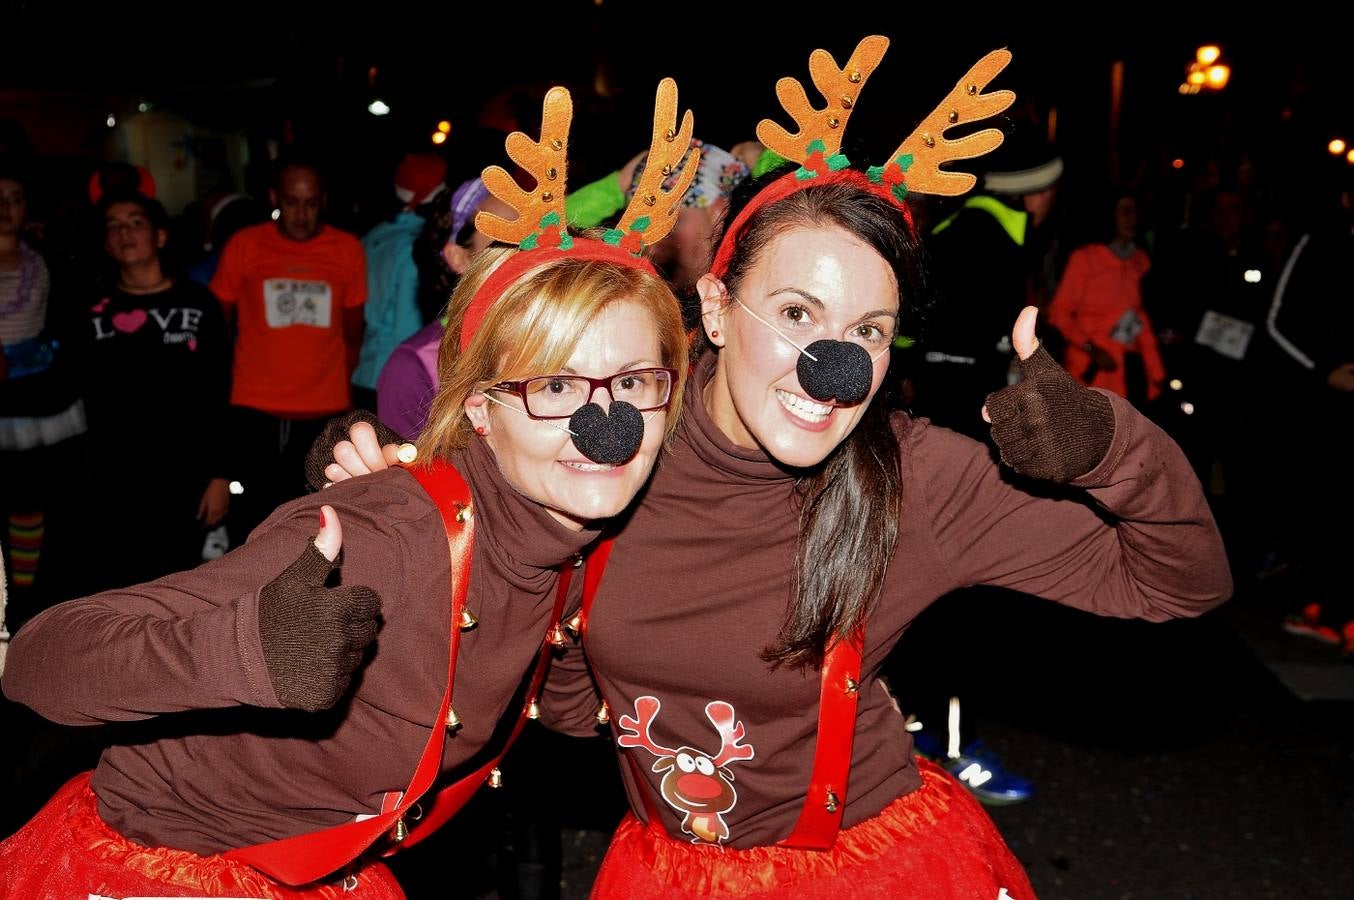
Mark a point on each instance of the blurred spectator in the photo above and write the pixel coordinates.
(1098, 309)
(155, 359)
(295, 290)
(392, 310)
(442, 251)
(39, 407)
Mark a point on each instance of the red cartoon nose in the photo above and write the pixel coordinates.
(699, 787)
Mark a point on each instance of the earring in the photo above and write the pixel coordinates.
(714, 334)
(479, 429)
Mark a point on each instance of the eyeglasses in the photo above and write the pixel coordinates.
(560, 396)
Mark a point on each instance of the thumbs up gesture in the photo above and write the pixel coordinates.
(1048, 425)
(313, 636)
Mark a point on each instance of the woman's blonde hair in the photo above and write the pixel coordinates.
(533, 329)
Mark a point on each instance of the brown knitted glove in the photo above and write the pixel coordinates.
(1049, 426)
(314, 637)
(321, 452)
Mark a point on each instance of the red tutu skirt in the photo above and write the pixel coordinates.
(66, 850)
(934, 843)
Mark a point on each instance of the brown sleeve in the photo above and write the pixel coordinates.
(187, 641)
(569, 697)
(1136, 541)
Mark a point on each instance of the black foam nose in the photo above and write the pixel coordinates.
(603, 438)
(842, 372)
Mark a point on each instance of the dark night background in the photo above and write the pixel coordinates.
(240, 75)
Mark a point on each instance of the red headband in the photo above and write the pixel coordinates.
(523, 261)
(788, 184)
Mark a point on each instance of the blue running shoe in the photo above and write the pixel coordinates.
(979, 770)
(976, 767)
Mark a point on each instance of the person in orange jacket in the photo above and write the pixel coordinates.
(1098, 309)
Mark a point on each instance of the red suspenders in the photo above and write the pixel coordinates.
(821, 816)
(308, 857)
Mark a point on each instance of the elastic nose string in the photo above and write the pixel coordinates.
(748, 310)
(490, 397)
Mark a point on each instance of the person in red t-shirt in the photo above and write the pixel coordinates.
(294, 289)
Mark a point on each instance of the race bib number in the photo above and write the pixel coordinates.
(287, 302)
(1127, 329)
(1226, 335)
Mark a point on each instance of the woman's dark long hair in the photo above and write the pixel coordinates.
(850, 503)
(436, 280)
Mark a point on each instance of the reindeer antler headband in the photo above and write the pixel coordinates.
(912, 168)
(540, 229)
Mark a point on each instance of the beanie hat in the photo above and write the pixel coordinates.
(419, 177)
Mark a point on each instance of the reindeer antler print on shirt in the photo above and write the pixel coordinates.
(648, 708)
(697, 784)
(731, 730)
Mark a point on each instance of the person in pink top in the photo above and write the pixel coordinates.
(1098, 308)
(407, 383)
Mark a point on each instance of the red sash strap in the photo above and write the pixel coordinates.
(821, 816)
(308, 857)
(450, 799)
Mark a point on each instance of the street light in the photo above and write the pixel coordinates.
(1336, 147)
(1206, 72)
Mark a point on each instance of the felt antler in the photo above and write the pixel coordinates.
(545, 160)
(840, 87)
(667, 147)
(926, 148)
